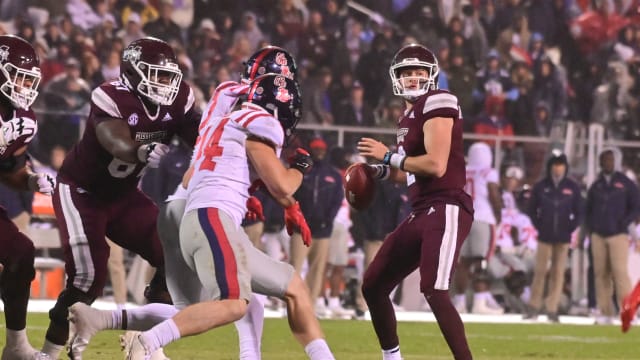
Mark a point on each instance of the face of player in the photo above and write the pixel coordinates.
(413, 78)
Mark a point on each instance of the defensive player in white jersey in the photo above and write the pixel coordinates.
(210, 233)
(482, 185)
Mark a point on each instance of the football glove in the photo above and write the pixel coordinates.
(301, 161)
(254, 209)
(295, 221)
(42, 183)
(152, 153)
(13, 129)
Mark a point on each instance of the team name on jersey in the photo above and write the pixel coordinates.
(144, 136)
(402, 132)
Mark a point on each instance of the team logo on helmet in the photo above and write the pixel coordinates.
(132, 53)
(4, 53)
(283, 95)
(281, 59)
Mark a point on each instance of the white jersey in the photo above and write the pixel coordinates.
(477, 187)
(513, 217)
(221, 176)
(222, 102)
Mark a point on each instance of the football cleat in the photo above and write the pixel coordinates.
(134, 348)
(25, 353)
(84, 322)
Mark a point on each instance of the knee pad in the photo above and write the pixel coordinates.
(68, 297)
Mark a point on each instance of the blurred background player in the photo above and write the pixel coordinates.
(19, 76)
(629, 307)
(131, 121)
(442, 212)
(482, 184)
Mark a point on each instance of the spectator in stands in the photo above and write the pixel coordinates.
(145, 11)
(548, 88)
(613, 207)
(82, 14)
(517, 35)
(371, 71)
(250, 29)
(317, 44)
(288, 25)
(316, 97)
(355, 112)
(493, 80)
(91, 70)
(349, 47)
(556, 211)
(462, 81)
(393, 110)
(493, 121)
(164, 27)
(68, 94)
(320, 197)
(132, 30)
(110, 68)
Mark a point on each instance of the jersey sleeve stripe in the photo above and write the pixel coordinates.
(191, 99)
(251, 119)
(103, 101)
(438, 101)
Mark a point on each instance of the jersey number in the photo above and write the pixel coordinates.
(213, 148)
(120, 169)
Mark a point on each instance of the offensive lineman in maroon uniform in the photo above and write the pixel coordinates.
(130, 122)
(430, 157)
(19, 77)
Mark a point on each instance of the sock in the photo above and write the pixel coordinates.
(249, 329)
(334, 302)
(51, 349)
(318, 350)
(17, 338)
(148, 316)
(160, 335)
(392, 354)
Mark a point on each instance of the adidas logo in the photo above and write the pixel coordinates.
(167, 117)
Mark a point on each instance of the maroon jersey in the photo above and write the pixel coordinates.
(92, 168)
(8, 161)
(423, 190)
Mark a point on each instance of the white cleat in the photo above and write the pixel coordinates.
(26, 353)
(134, 348)
(84, 323)
(338, 312)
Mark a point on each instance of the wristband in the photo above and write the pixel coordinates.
(387, 157)
(397, 161)
(380, 172)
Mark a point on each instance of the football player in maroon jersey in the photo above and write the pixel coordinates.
(19, 79)
(131, 121)
(430, 159)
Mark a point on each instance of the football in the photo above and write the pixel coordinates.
(359, 186)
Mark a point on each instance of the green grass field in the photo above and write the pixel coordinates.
(355, 340)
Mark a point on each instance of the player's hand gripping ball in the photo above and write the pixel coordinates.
(359, 186)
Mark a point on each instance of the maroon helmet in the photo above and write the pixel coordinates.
(414, 56)
(269, 60)
(20, 68)
(149, 68)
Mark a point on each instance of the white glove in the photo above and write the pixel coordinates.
(42, 183)
(152, 153)
(11, 130)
